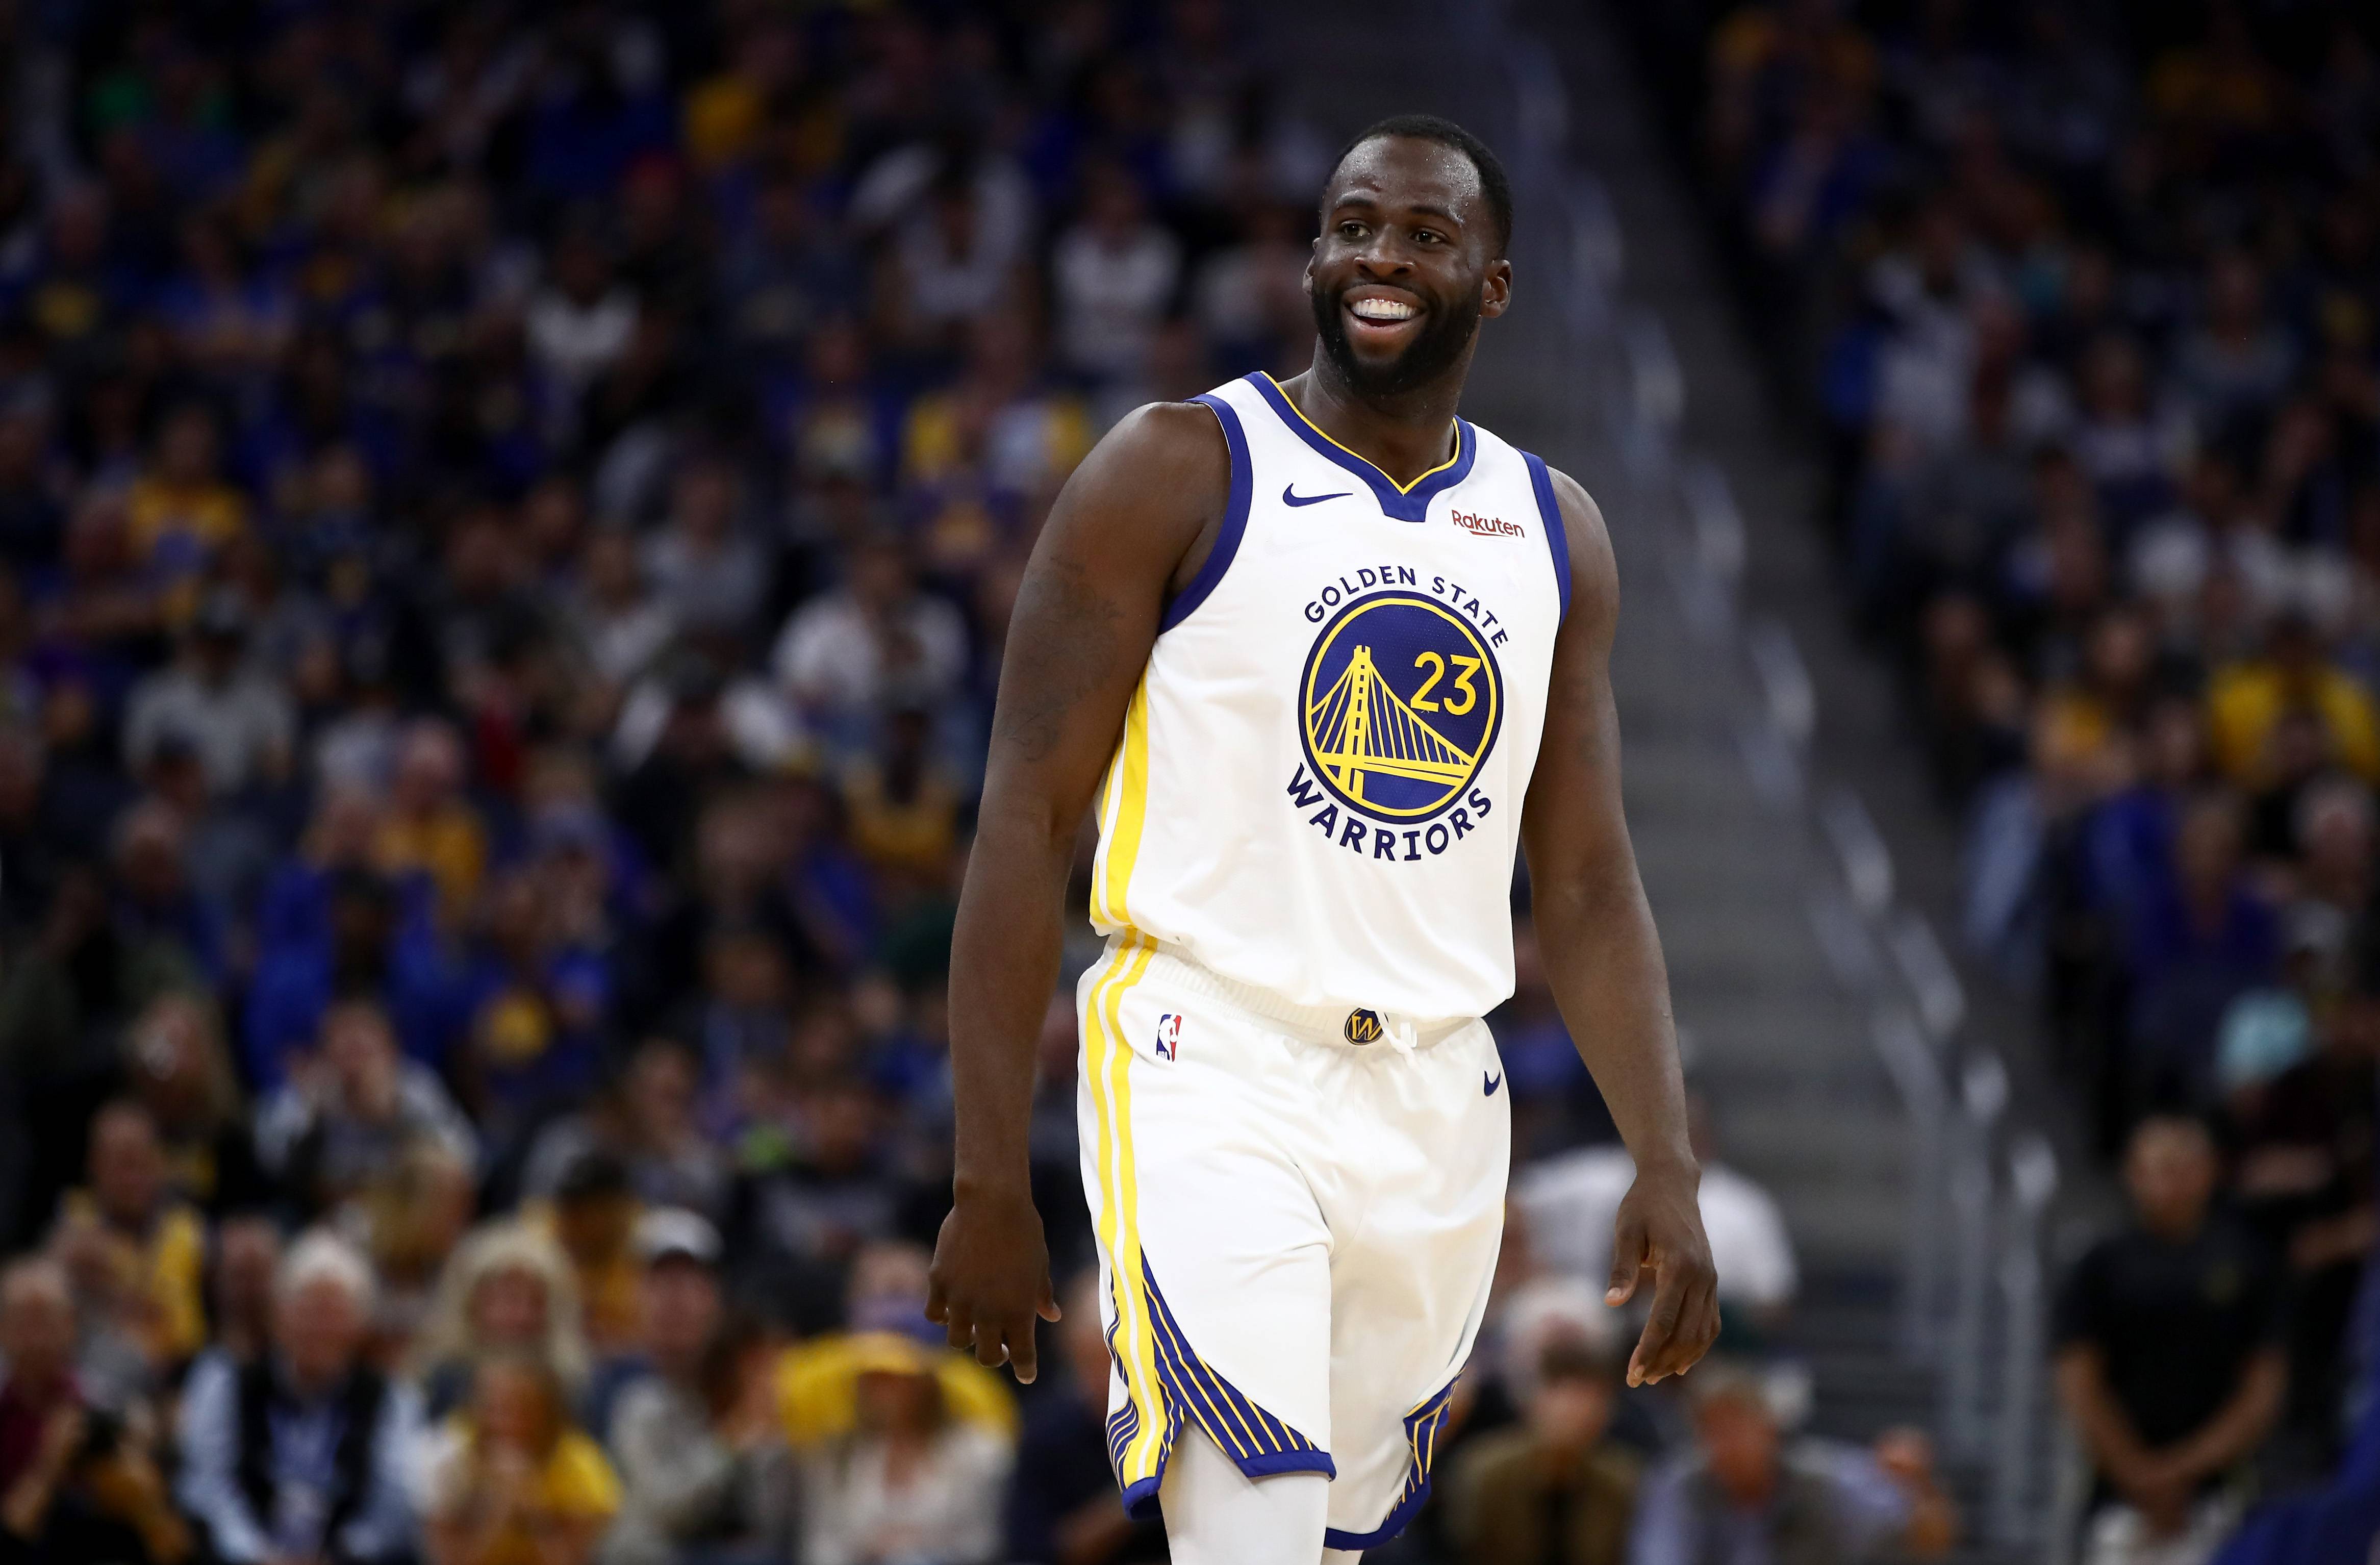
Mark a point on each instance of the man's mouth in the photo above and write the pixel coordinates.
(1380, 318)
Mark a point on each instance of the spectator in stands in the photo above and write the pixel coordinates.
(306, 1452)
(1570, 1202)
(680, 1306)
(181, 514)
(1553, 1488)
(340, 935)
(153, 1241)
(63, 1001)
(42, 1414)
(411, 1219)
(907, 1479)
(2204, 937)
(2170, 1355)
(647, 1118)
(430, 828)
(2247, 701)
(1063, 1505)
(1743, 1494)
(818, 1379)
(593, 1217)
(248, 1258)
(1114, 273)
(177, 1067)
(2305, 1176)
(237, 718)
(810, 1196)
(508, 1289)
(702, 1453)
(351, 1112)
(515, 1479)
(844, 655)
(707, 574)
(78, 1482)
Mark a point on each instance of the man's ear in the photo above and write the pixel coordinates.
(1496, 289)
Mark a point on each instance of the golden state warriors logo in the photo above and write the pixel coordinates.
(1399, 706)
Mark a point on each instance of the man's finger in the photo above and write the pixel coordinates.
(1651, 1359)
(960, 1321)
(1024, 1360)
(990, 1351)
(937, 1303)
(1686, 1337)
(1699, 1328)
(1627, 1258)
(1048, 1308)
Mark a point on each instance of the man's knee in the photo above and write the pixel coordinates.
(1217, 1515)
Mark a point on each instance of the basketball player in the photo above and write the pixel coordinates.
(1324, 657)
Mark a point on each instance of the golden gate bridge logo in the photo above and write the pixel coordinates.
(1401, 705)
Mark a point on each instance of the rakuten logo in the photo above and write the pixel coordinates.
(1489, 527)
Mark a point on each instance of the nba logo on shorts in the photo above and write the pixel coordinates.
(1363, 1026)
(1169, 1035)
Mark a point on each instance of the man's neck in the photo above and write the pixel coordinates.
(1405, 435)
(2175, 1230)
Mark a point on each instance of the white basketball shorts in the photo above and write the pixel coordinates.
(1298, 1213)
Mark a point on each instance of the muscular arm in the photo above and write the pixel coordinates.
(1604, 960)
(1131, 522)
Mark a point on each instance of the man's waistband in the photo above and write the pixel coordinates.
(1361, 1025)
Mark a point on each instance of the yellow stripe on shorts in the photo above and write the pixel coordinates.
(1109, 1059)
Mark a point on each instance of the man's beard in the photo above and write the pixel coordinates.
(1444, 335)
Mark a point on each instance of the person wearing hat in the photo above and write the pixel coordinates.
(909, 1480)
(593, 1217)
(703, 1462)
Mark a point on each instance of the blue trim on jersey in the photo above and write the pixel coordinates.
(1140, 1500)
(1423, 1425)
(1235, 518)
(1258, 1444)
(1405, 504)
(1557, 535)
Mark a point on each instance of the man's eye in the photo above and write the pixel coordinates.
(1351, 230)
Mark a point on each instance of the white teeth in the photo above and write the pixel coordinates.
(1383, 309)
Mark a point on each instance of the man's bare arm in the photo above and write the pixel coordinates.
(1133, 520)
(2107, 1435)
(1604, 960)
(2241, 1424)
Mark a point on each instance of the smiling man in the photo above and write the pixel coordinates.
(1326, 658)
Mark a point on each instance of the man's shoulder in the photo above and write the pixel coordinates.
(1166, 434)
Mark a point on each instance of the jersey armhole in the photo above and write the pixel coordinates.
(1235, 519)
(1557, 532)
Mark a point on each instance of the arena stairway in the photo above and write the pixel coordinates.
(1748, 714)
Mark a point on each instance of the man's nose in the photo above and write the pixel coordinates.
(1383, 255)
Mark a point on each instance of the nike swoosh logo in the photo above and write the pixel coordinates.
(1290, 498)
(1493, 1082)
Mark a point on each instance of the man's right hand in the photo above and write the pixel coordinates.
(991, 1278)
(2161, 1492)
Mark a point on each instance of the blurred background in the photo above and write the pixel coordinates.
(508, 515)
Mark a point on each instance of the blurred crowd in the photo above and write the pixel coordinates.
(508, 516)
(2086, 300)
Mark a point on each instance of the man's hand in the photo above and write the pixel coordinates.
(2161, 1490)
(1659, 1229)
(991, 1278)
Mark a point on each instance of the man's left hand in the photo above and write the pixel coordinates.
(1659, 1229)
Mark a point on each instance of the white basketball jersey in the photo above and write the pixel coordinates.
(1318, 788)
